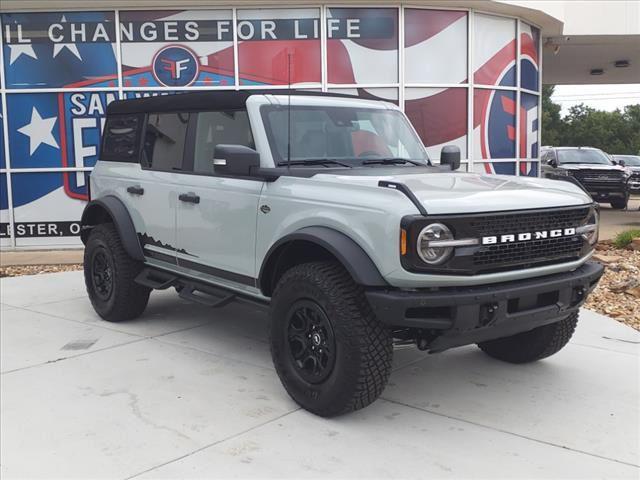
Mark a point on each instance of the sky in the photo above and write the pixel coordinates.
(601, 97)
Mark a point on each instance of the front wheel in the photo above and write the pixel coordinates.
(331, 353)
(536, 344)
(109, 275)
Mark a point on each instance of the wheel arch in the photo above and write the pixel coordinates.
(110, 209)
(317, 243)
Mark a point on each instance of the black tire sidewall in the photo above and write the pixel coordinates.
(338, 388)
(98, 241)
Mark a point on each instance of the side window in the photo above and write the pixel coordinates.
(226, 127)
(164, 140)
(121, 138)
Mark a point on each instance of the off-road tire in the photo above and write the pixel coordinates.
(536, 344)
(364, 346)
(127, 299)
(620, 203)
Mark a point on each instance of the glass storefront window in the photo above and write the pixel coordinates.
(494, 53)
(439, 115)
(279, 46)
(177, 49)
(494, 124)
(59, 50)
(529, 56)
(435, 46)
(362, 45)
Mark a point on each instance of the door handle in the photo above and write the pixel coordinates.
(135, 190)
(189, 197)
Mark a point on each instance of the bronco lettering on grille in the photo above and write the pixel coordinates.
(527, 236)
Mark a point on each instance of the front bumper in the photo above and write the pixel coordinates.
(456, 316)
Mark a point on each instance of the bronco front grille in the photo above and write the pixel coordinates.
(490, 258)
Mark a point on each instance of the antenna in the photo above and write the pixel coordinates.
(289, 113)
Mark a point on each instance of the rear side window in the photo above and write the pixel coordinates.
(213, 128)
(122, 138)
(164, 141)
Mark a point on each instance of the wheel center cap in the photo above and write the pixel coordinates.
(316, 339)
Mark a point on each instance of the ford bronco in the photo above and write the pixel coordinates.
(327, 210)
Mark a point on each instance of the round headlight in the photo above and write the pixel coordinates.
(592, 234)
(428, 240)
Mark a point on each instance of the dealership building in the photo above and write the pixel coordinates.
(467, 73)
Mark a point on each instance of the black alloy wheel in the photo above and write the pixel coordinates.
(311, 341)
(102, 273)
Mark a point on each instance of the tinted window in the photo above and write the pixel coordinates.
(164, 140)
(213, 128)
(121, 138)
(582, 156)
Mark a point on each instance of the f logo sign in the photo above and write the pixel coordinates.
(175, 66)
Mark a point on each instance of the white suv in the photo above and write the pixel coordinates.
(327, 209)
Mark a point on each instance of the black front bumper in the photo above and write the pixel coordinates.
(455, 316)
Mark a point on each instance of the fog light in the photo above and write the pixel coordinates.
(434, 255)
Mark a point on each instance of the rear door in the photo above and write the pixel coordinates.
(216, 215)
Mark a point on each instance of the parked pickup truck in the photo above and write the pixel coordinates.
(591, 168)
(327, 210)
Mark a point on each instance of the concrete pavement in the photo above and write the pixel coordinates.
(614, 221)
(186, 391)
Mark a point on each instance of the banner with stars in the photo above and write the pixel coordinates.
(59, 50)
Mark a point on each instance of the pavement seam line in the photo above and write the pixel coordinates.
(213, 444)
(602, 348)
(544, 442)
(49, 362)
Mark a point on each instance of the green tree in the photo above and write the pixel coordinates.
(551, 120)
(614, 132)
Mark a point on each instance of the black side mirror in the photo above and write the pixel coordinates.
(620, 162)
(235, 160)
(450, 155)
(553, 163)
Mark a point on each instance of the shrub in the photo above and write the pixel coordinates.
(624, 238)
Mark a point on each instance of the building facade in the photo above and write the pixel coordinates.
(464, 76)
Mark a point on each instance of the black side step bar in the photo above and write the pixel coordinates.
(401, 187)
(156, 279)
(205, 295)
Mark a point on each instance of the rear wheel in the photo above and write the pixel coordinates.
(620, 203)
(109, 275)
(533, 345)
(331, 353)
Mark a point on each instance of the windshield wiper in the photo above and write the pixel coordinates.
(313, 161)
(392, 161)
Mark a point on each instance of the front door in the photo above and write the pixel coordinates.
(216, 216)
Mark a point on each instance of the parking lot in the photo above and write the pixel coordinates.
(187, 391)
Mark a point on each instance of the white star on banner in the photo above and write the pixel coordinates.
(18, 50)
(57, 47)
(39, 131)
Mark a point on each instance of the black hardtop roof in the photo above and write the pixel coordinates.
(201, 101)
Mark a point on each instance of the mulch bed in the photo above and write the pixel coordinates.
(15, 271)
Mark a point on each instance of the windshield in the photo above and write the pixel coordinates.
(582, 156)
(343, 136)
(629, 160)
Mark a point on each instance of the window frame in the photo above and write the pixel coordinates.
(144, 164)
(135, 157)
(189, 159)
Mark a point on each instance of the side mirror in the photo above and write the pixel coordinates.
(450, 155)
(553, 163)
(620, 162)
(235, 160)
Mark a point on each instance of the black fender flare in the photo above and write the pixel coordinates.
(113, 207)
(351, 255)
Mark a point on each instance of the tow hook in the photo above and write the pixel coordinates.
(488, 313)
